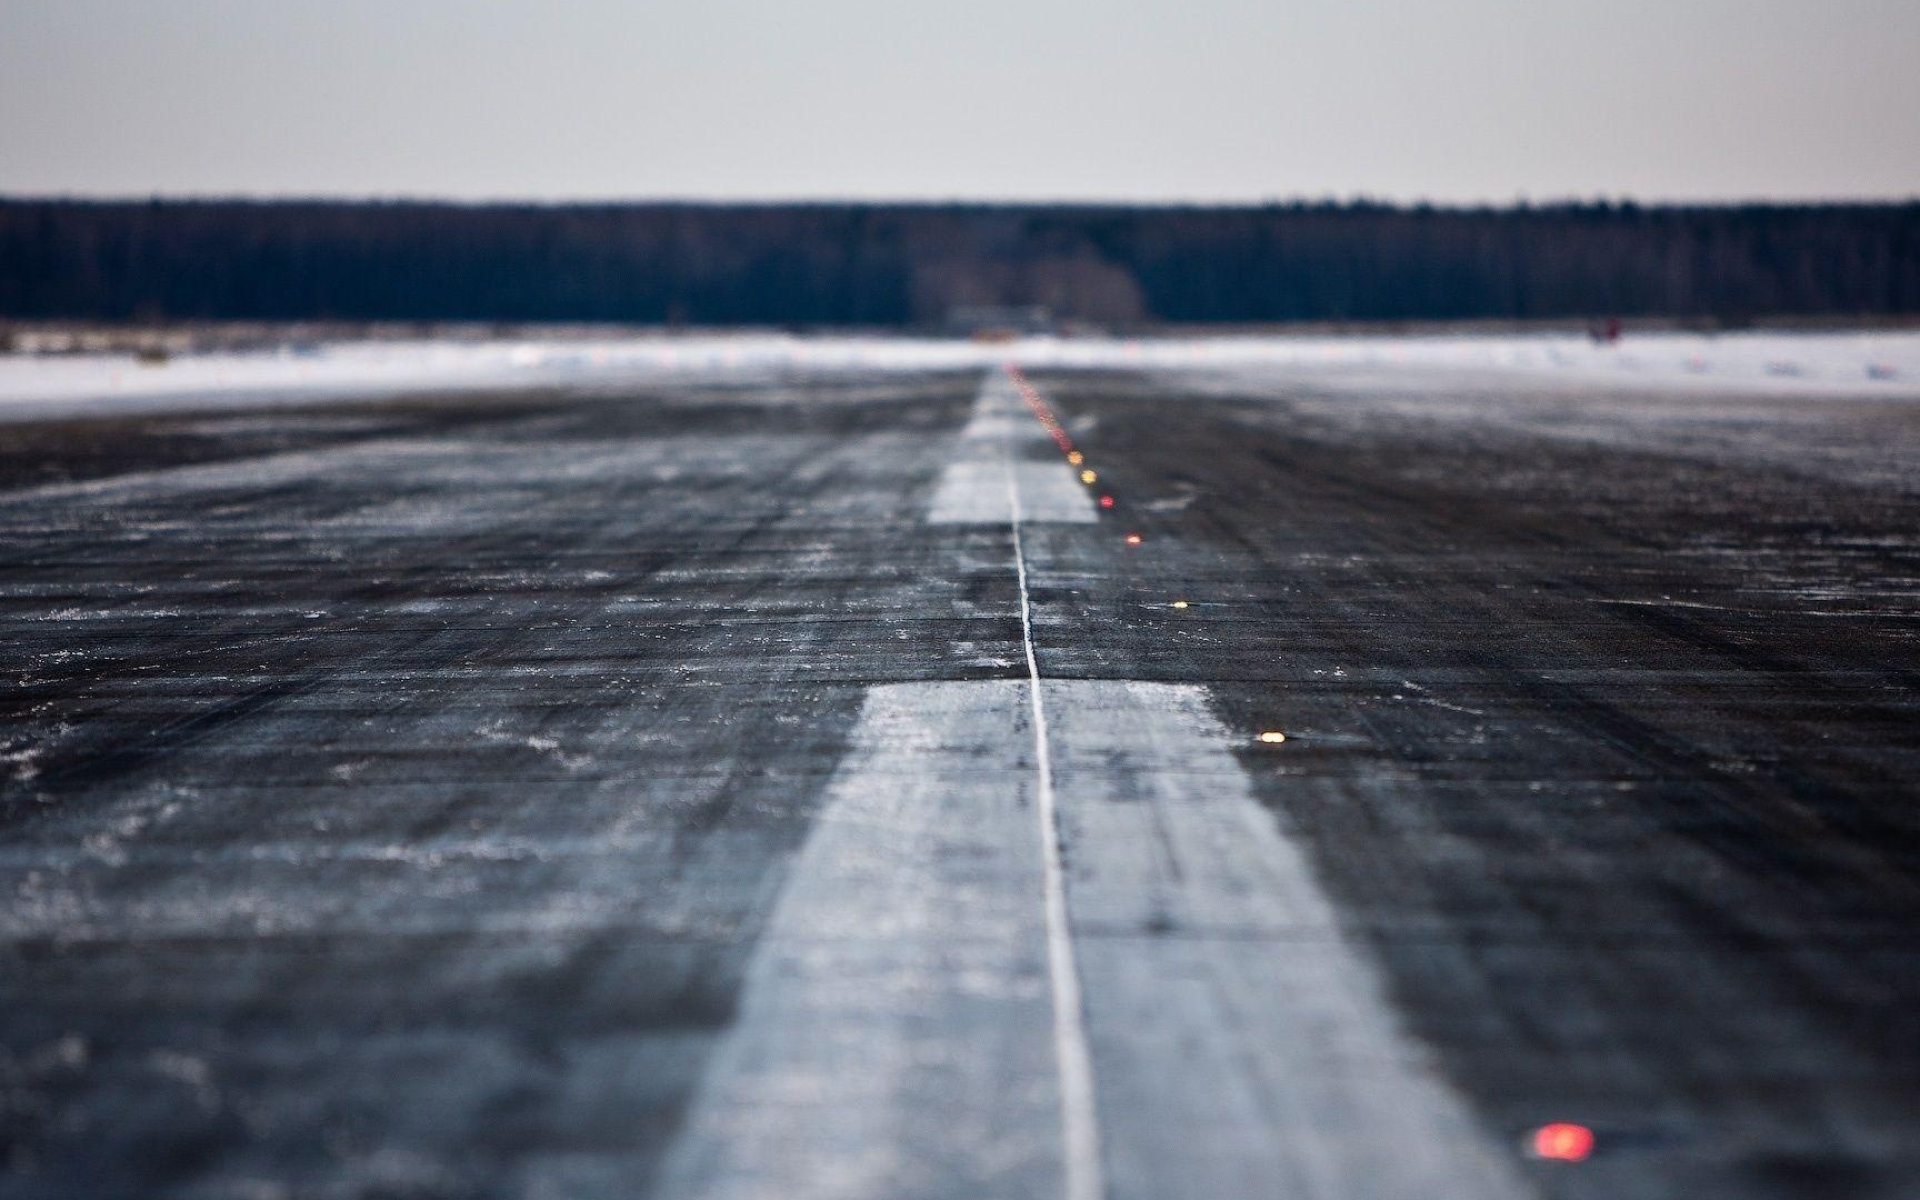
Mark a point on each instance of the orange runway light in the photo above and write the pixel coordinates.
(1076, 458)
(1563, 1142)
(1134, 539)
(1088, 477)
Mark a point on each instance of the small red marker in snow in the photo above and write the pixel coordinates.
(1563, 1142)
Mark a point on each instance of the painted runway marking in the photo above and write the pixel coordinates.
(1230, 1041)
(898, 1003)
(1080, 1129)
(1241, 1046)
(972, 488)
(1180, 1017)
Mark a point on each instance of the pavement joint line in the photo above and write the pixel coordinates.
(1080, 1130)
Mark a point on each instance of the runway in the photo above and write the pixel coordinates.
(1283, 780)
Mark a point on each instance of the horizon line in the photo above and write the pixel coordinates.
(1356, 200)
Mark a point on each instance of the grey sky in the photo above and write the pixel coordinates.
(1202, 99)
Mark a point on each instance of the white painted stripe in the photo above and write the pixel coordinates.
(1243, 1047)
(974, 492)
(972, 487)
(1079, 1120)
(894, 1036)
(911, 1025)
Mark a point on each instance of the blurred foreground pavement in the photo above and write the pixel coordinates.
(790, 781)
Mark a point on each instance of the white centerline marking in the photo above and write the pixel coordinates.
(1080, 1130)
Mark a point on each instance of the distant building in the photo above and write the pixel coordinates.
(997, 320)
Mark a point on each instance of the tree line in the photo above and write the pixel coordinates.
(911, 265)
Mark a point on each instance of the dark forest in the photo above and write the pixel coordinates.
(913, 266)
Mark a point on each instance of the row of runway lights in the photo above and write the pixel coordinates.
(1559, 1141)
(1064, 440)
(1090, 477)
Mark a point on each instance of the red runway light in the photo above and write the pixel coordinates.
(1106, 502)
(1562, 1141)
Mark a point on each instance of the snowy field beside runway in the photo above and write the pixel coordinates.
(35, 386)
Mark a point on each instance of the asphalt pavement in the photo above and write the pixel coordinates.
(1293, 782)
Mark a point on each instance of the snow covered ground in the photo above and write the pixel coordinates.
(1862, 363)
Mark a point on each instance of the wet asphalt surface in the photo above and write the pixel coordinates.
(395, 792)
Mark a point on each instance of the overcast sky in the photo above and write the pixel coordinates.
(1213, 100)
